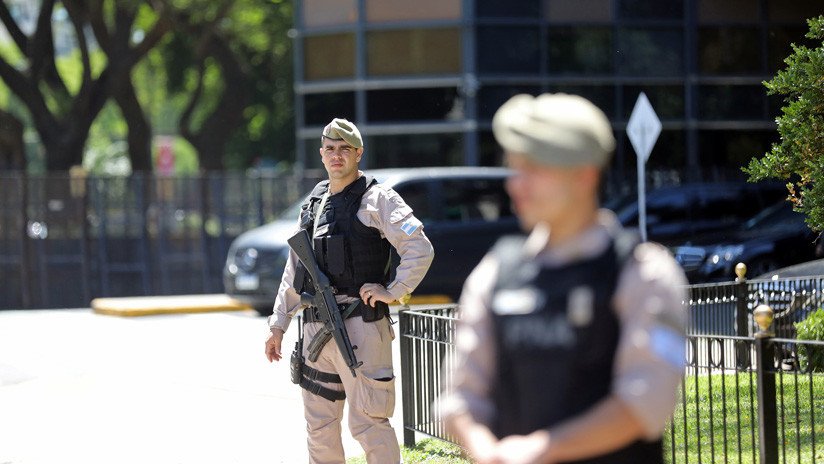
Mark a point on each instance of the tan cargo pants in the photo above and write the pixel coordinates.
(371, 401)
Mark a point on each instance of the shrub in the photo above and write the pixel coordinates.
(811, 328)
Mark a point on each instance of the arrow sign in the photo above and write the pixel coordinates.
(643, 130)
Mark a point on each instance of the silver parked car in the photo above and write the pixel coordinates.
(464, 211)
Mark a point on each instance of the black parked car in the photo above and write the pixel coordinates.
(776, 237)
(677, 213)
(464, 211)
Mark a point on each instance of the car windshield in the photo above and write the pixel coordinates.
(779, 216)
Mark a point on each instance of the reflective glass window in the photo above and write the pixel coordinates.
(404, 10)
(580, 50)
(730, 149)
(650, 52)
(415, 150)
(469, 200)
(329, 12)
(602, 96)
(735, 102)
(508, 9)
(793, 10)
(779, 40)
(508, 49)
(414, 51)
(329, 56)
(489, 152)
(491, 97)
(668, 155)
(728, 50)
(651, 9)
(666, 100)
(436, 104)
(320, 108)
(589, 11)
(727, 11)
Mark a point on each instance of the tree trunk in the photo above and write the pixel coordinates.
(12, 148)
(139, 130)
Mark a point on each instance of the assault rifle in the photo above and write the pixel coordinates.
(323, 298)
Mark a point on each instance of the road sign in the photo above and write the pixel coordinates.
(643, 130)
(643, 127)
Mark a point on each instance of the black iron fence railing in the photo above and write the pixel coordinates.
(66, 239)
(747, 396)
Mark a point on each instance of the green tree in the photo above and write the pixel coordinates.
(63, 114)
(230, 63)
(799, 157)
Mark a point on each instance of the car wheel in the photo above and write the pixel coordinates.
(761, 266)
(264, 310)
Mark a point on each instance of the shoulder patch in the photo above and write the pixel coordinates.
(410, 225)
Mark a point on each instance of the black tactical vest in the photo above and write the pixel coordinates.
(556, 334)
(347, 251)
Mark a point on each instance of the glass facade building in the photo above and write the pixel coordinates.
(422, 79)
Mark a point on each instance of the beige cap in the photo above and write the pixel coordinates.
(341, 129)
(555, 129)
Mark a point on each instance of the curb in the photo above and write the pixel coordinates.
(172, 304)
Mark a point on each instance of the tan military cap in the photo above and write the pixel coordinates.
(341, 129)
(555, 129)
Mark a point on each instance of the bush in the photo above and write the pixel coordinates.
(812, 328)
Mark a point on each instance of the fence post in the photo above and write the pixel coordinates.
(407, 381)
(741, 315)
(765, 378)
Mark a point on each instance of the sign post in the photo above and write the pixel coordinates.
(643, 130)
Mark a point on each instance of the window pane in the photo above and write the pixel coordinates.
(329, 12)
(320, 108)
(469, 200)
(651, 52)
(590, 11)
(728, 50)
(739, 102)
(404, 10)
(667, 100)
(414, 105)
(649, 9)
(489, 152)
(602, 96)
(508, 9)
(415, 51)
(329, 56)
(491, 97)
(414, 150)
(727, 10)
(509, 50)
(668, 155)
(580, 50)
(726, 151)
(793, 10)
(779, 39)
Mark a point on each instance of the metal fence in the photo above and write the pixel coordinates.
(744, 396)
(67, 239)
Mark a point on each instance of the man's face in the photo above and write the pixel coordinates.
(339, 158)
(547, 194)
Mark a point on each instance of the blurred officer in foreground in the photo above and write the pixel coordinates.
(353, 221)
(570, 344)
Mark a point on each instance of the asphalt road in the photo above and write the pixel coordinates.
(78, 387)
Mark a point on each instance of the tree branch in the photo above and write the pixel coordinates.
(41, 47)
(20, 39)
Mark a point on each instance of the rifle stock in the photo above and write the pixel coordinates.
(324, 299)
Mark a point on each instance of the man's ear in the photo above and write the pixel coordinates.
(360, 154)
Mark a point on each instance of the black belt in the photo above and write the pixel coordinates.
(312, 314)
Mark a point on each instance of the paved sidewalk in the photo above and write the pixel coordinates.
(79, 387)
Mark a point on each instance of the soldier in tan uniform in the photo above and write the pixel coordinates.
(570, 344)
(353, 221)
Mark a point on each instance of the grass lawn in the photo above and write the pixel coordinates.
(715, 421)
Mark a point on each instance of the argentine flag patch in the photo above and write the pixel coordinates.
(410, 225)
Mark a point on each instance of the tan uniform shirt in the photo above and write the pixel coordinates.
(383, 209)
(649, 300)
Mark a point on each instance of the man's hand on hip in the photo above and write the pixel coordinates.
(273, 344)
(372, 293)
